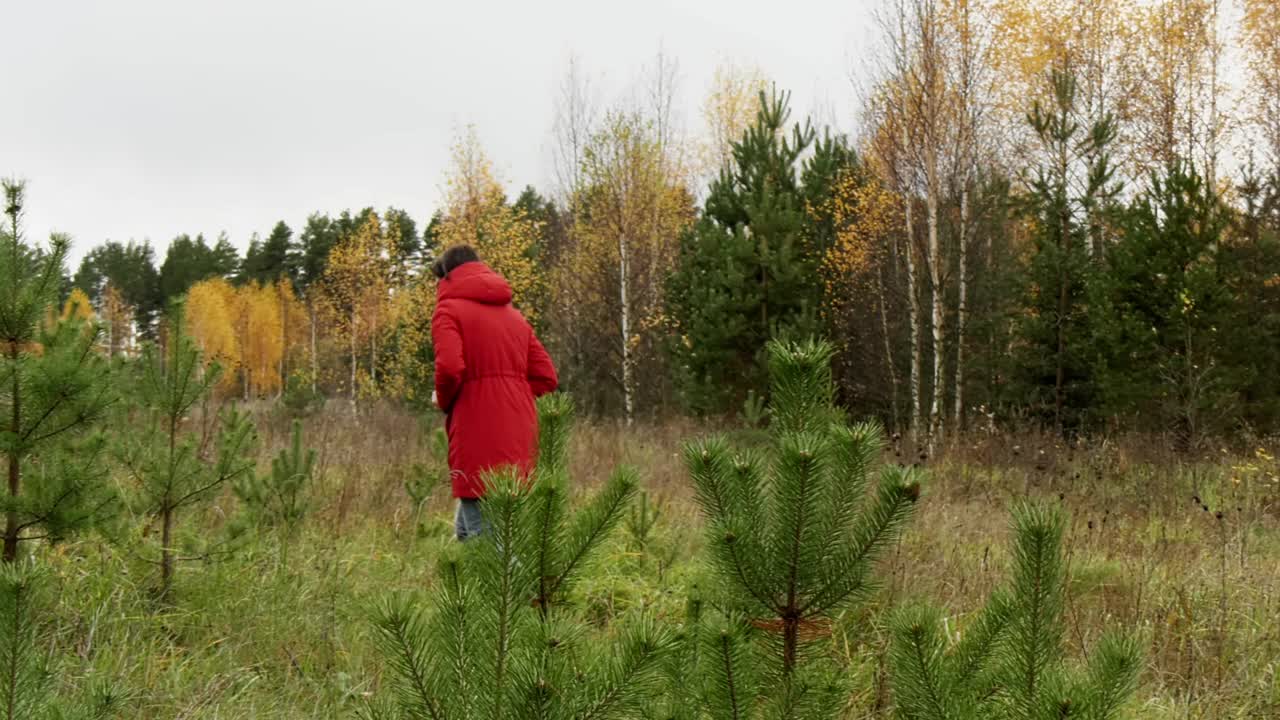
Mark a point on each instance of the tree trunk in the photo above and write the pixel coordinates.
(15, 468)
(938, 300)
(913, 295)
(1060, 374)
(353, 358)
(284, 342)
(790, 645)
(166, 550)
(888, 350)
(627, 391)
(962, 309)
(315, 362)
(1064, 238)
(373, 355)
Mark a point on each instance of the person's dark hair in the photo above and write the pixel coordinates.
(452, 258)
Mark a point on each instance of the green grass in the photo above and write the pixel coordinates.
(248, 637)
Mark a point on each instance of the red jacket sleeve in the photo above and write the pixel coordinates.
(450, 363)
(542, 373)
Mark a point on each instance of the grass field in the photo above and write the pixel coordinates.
(1188, 551)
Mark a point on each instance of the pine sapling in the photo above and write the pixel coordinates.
(27, 689)
(426, 477)
(177, 467)
(282, 498)
(641, 521)
(501, 641)
(54, 390)
(791, 538)
(23, 679)
(1008, 662)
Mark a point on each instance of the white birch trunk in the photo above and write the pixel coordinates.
(962, 308)
(628, 399)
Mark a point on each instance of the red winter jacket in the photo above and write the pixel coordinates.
(489, 368)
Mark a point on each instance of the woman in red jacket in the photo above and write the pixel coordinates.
(489, 368)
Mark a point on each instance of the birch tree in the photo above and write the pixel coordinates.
(631, 213)
(477, 213)
(1260, 38)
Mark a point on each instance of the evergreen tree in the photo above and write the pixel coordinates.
(431, 239)
(282, 498)
(791, 540)
(169, 455)
(251, 266)
(225, 258)
(268, 260)
(53, 390)
(24, 688)
(406, 246)
(187, 261)
(1071, 196)
(312, 250)
(1008, 663)
(543, 211)
(1252, 334)
(832, 159)
(1165, 309)
(501, 642)
(130, 269)
(27, 687)
(744, 271)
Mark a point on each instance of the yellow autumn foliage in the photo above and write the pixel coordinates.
(77, 306)
(730, 107)
(356, 291)
(261, 338)
(1260, 38)
(211, 314)
(477, 213)
(866, 215)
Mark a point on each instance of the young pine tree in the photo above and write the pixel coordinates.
(1008, 663)
(747, 269)
(175, 465)
(501, 642)
(27, 687)
(1166, 309)
(791, 539)
(281, 498)
(1072, 195)
(53, 390)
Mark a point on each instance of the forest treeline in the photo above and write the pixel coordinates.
(1055, 213)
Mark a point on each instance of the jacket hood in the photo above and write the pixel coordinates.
(474, 281)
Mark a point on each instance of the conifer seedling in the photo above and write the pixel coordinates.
(1008, 663)
(27, 680)
(500, 640)
(175, 466)
(54, 389)
(793, 540)
(282, 498)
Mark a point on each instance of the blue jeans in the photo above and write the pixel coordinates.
(468, 522)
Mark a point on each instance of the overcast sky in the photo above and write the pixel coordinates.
(143, 119)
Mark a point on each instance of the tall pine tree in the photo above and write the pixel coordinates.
(1164, 311)
(1071, 197)
(745, 272)
(129, 269)
(267, 261)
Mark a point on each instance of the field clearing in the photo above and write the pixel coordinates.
(1185, 551)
